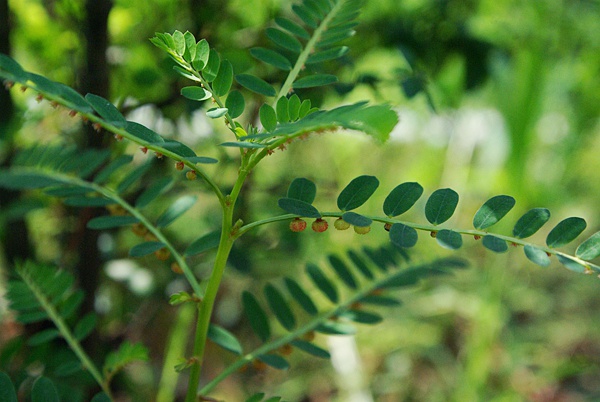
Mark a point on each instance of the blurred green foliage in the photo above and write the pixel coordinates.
(516, 95)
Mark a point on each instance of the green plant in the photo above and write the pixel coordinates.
(100, 179)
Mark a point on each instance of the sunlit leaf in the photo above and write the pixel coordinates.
(316, 80)
(256, 316)
(322, 283)
(492, 211)
(298, 207)
(531, 222)
(449, 239)
(402, 198)
(127, 353)
(280, 307)
(201, 56)
(235, 103)
(242, 144)
(9, 65)
(294, 107)
(292, 27)
(178, 208)
(145, 248)
(111, 222)
(195, 93)
(571, 264)
(536, 255)
(255, 84)
(106, 110)
(357, 192)
(190, 47)
(304, 108)
(268, 118)
(300, 296)
(495, 244)
(179, 41)
(216, 112)
(589, 249)
(143, 133)
(302, 189)
(283, 39)
(441, 205)
(403, 236)
(224, 339)
(565, 232)
(283, 115)
(271, 57)
(326, 55)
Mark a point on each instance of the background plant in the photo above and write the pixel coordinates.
(341, 184)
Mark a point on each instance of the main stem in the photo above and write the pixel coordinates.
(228, 236)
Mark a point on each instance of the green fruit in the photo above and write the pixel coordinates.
(362, 229)
(341, 224)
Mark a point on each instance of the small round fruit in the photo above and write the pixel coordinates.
(319, 225)
(190, 175)
(341, 224)
(362, 229)
(297, 225)
(162, 254)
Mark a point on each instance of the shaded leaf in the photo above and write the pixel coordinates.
(343, 272)
(280, 307)
(589, 249)
(25, 181)
(305, 15)
(403, 236)
(224, 339)
(274, 361)
(360, 264)
(322, 283)
(101, 397)
(268, 118)
(195, 93)
(202, 160)
(178, 208)
(43, 390)
(256, 397)
(111, 222)
(536, 255)
(300, 296)
(133, 176)
(302, 189)
(85, 326)
(235, 103)
(357, 192)
(441, 205)
(112, 167)
(255, 84)
(449, 239)
(378, 300)
(222, 83)
(156, 189)
(9, 65)
(310, 348)
(127, 353)
(145, 248)
(495, 244)
(298, 207)
(335, 328)
(402, 198)
(43, 336)
(283, 39)
(565, 232)
(204, 243)
(179, 148)
(492, 211)
(304, 108)
(256, 316)
(242, 144)
(271, 57)
(211, 69)
(362, 317)
(531, 222)
(106, 110)
(316, 80)
(356, 219)
(7, 390)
